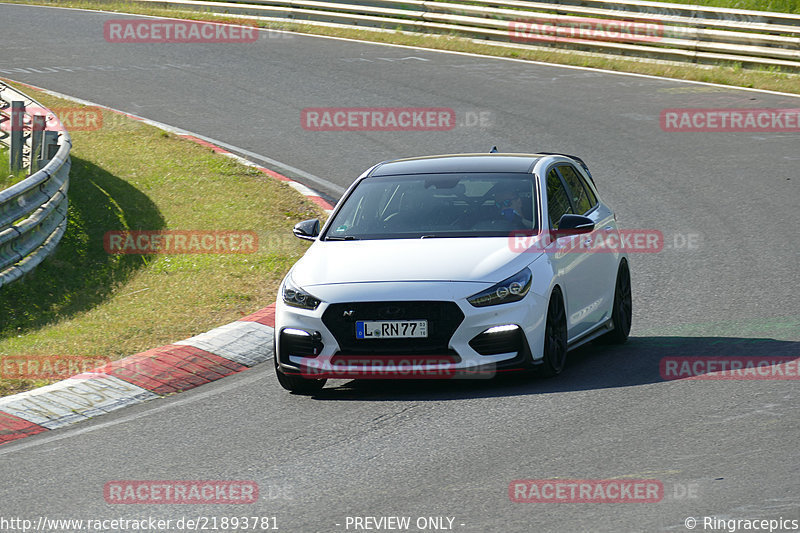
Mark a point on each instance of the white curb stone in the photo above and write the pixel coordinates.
(247, 343)
(74, 399)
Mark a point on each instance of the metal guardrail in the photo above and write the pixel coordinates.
(33, 212)
(656, 30)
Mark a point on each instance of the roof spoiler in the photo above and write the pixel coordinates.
(576, 158)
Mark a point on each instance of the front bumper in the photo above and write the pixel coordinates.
(318, 343)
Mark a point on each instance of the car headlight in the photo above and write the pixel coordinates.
(509, 290)
(297, 297)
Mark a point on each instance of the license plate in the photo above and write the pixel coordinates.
(391, 329)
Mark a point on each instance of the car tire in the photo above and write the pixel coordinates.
(622, 311)
(555, 337)
(297, 384)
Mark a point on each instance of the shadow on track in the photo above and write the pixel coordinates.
(589, 367)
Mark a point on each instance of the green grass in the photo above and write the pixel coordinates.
(8, 178)
(83, 301)
(733, 74)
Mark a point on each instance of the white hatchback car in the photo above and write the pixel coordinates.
(453, 265)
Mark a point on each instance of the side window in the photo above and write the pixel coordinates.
(557, 199)
(592, 197)
(580, 194)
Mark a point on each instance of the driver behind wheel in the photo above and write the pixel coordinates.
(509, 202)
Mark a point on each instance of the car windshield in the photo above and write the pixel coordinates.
(437, 205)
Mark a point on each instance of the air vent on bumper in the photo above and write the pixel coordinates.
(300, 343)
(498, 339)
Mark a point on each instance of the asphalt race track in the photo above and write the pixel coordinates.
(725, 284)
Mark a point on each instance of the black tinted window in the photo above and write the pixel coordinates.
(437, 205)
(580, 194)
(557, 199)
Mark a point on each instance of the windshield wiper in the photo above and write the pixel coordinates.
(345, 238)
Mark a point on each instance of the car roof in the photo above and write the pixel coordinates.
(481, 162)
(492, 162)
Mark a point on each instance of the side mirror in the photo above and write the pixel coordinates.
(307, 229)
(574, 225)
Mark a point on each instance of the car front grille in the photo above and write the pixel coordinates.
(443, 320)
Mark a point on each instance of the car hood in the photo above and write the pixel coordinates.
(472, 259)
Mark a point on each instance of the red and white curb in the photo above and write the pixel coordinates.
(155, 373)
(144, 376)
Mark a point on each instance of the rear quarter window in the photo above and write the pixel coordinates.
(580, 193)
(557, 199)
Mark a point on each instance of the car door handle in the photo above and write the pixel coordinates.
(608, 228)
